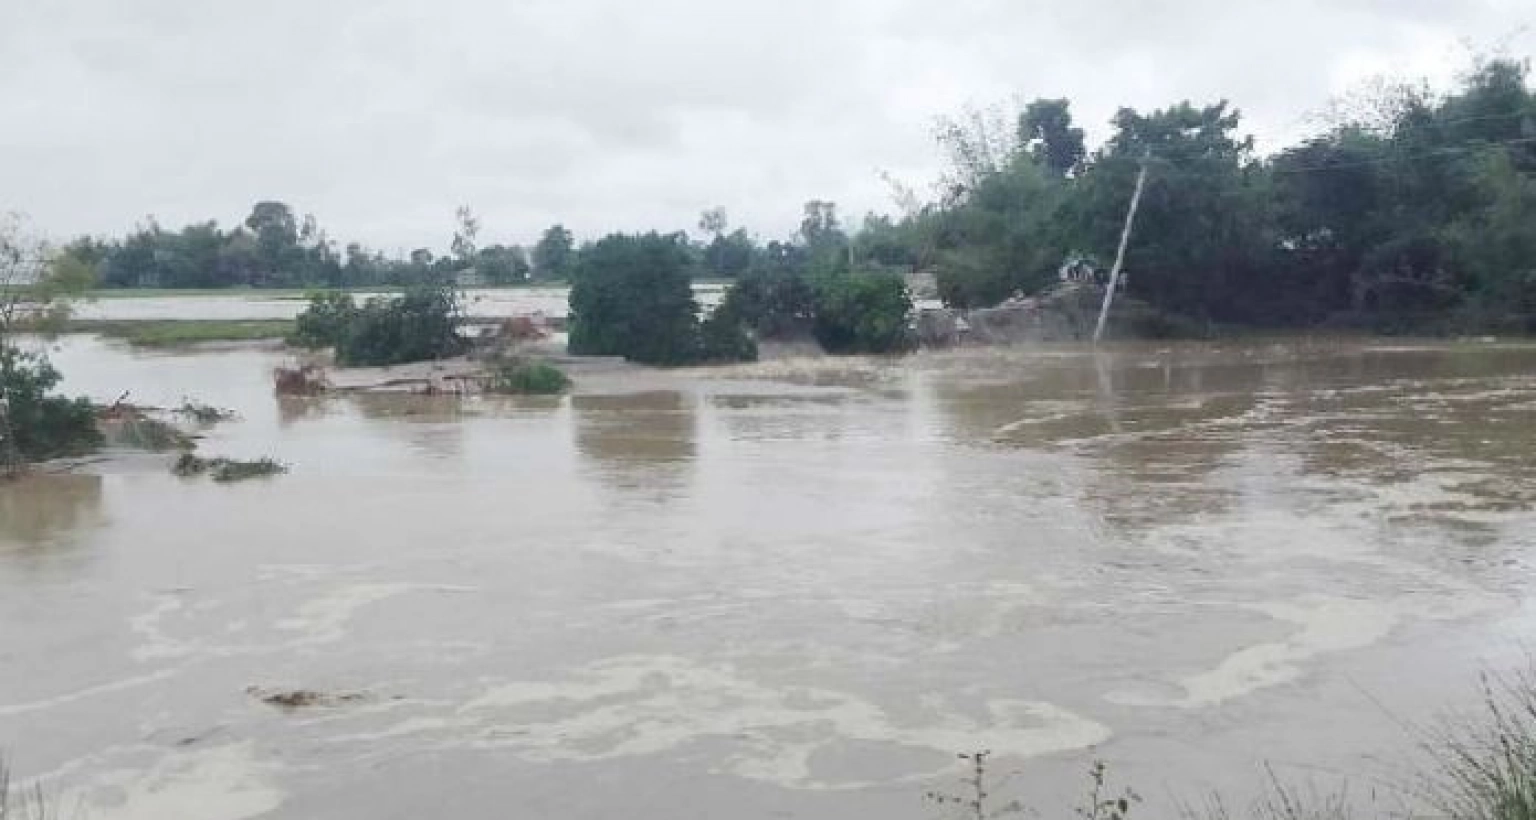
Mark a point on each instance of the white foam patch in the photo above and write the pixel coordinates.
(223, 783)
(87, 693)
(157, 644)
(646, 705)
(325, 619)
(1327, 625)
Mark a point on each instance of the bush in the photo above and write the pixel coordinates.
(632, 296)
(723, 338)
(38, 426)
(528, 379)
(773, 303)
(420, 325)
(326, 321)
(863, 313)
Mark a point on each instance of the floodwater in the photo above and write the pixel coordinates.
(792, 589)
(481, 302)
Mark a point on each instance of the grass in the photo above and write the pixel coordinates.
(21, 803)
(164, 333)
(1487, 768)
(524, 378)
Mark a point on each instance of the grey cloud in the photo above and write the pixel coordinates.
(381, 116)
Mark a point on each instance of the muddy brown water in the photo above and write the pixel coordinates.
(794, 589)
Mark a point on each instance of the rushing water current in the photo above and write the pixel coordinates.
(791, 589)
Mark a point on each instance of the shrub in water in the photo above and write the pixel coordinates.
(421, 325)
(863, 313)
(325, 322)
(35, 426)
(528, 378)
(632, 297)
(723, 338)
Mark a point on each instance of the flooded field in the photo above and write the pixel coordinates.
(243, 305)
(794, 589)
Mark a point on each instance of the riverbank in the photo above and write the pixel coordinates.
(164, 333)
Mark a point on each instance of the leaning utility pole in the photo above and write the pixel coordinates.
(1125, 239)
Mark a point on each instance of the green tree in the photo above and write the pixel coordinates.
(36, 286)
(503, 265)
(714, 222)
(464, 237)
(863, 313)
(773, 303)
(554, 257)
(632, 296)
(729, 255)
(1046, 131)
(420, 325)
(1202, 237)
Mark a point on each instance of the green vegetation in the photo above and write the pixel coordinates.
(420, 325)
(326, 321)
(273, 248)
(181, 332)
(632, 296)
(555, 256)
(863, 313)
(1409, 212)
(1413, 211)
(524, 378)
(224, 470)
(1487, 769)
(35, 425)
(35, 287)
(774, 303)
(203, 413)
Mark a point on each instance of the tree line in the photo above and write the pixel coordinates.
(275, 248)
(1411, 207)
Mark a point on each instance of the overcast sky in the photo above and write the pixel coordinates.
(381, 116)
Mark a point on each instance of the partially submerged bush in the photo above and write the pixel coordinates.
(36, 426)
(421, 325)
(847, 312)
(203, 413)
(723, 338)
(225, 470)
(863, 313)
(632, 296)
(774, 304)
(325, 322)
(525, 378)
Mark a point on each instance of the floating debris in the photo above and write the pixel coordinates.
(290, 700)
(225, 470)
(203, 413)
(305, 380)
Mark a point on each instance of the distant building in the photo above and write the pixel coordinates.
(1077, 270)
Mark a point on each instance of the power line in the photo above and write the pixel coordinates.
(1443, 151)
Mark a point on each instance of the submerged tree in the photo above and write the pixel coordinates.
(632, 296)
(36, 286)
